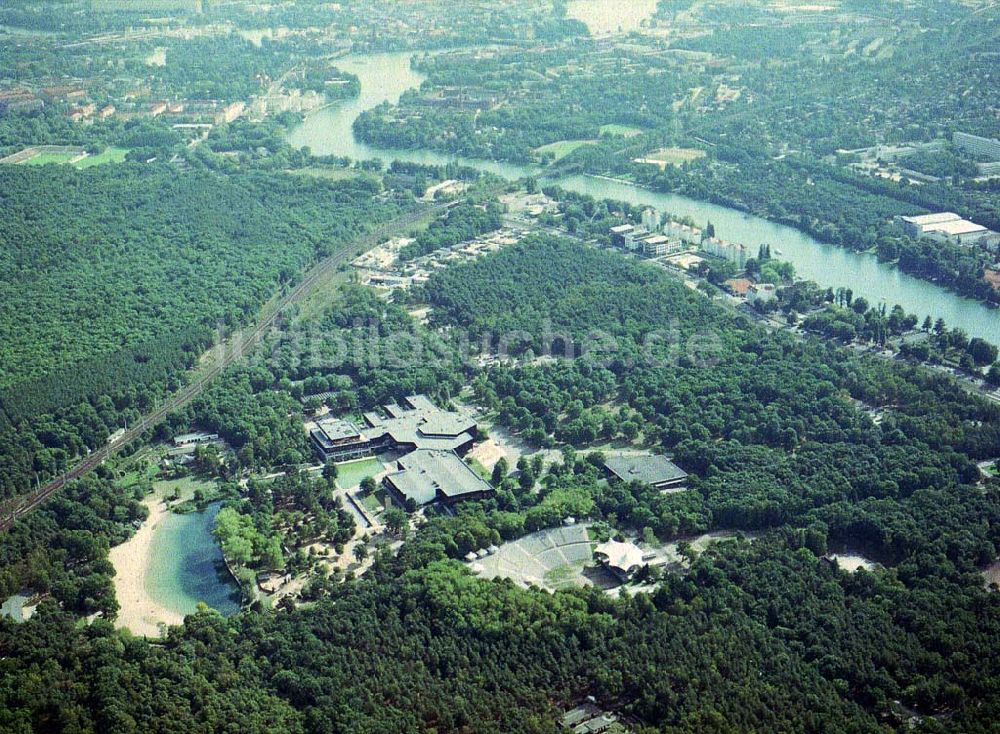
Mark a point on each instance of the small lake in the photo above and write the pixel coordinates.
(186, 565)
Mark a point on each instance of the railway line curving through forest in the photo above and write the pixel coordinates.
(26, 503)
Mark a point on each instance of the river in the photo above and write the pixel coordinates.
(384, 77)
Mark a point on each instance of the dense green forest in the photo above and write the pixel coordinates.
(733, 644)
(114, 281)
(122, 278)
(797, 420)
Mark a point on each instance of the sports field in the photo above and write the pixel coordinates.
(42, 159)
(41, 155)
(110, 155)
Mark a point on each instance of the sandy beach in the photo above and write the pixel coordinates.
(139, 612)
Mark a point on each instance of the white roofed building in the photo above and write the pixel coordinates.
(622, 559)
(946, 227)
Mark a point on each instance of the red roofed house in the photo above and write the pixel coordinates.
(738, 286)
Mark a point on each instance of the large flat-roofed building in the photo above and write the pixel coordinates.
(977, 145)
(619, 233)
(419, 424)
(430, 475)
(190, 439)
(917, 225)
(945, 227)
(656, 245)
(415, 424)
(337, 440)
(961, 232)
(655, 471)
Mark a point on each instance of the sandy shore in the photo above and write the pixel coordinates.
(139, 612)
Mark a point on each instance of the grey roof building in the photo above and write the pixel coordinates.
(336, 439)
(429, 475)
(415, 424)
(419, 424)
(656, 471)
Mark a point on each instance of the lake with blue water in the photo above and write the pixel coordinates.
(186, 565)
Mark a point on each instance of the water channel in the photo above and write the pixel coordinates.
(384, 77)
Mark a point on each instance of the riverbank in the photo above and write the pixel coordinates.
(139, 612)
(384, 78)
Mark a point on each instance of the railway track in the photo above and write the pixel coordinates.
(233, 349)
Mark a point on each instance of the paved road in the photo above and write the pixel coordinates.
(232, 350)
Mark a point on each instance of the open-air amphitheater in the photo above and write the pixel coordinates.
(552, 559)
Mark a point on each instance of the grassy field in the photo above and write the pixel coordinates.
(672, 156)
(111, 155)
(350, 473)
(564, 577)
(479, 469)
(562, 148)
(184, 488)
(131, 478)
(373, 501)
(43, 159)
(622, 131)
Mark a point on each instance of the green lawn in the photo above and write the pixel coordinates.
(111, 155)
(672, 156)
(623, 131)
(562, 148)
(46, 158)
(564, 577)
(184, 487)
(373, 502)
(131, 478)
(479, 469)
(350, 473)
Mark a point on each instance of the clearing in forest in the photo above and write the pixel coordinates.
(621, 131)
(671, 156)
(562, 148)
